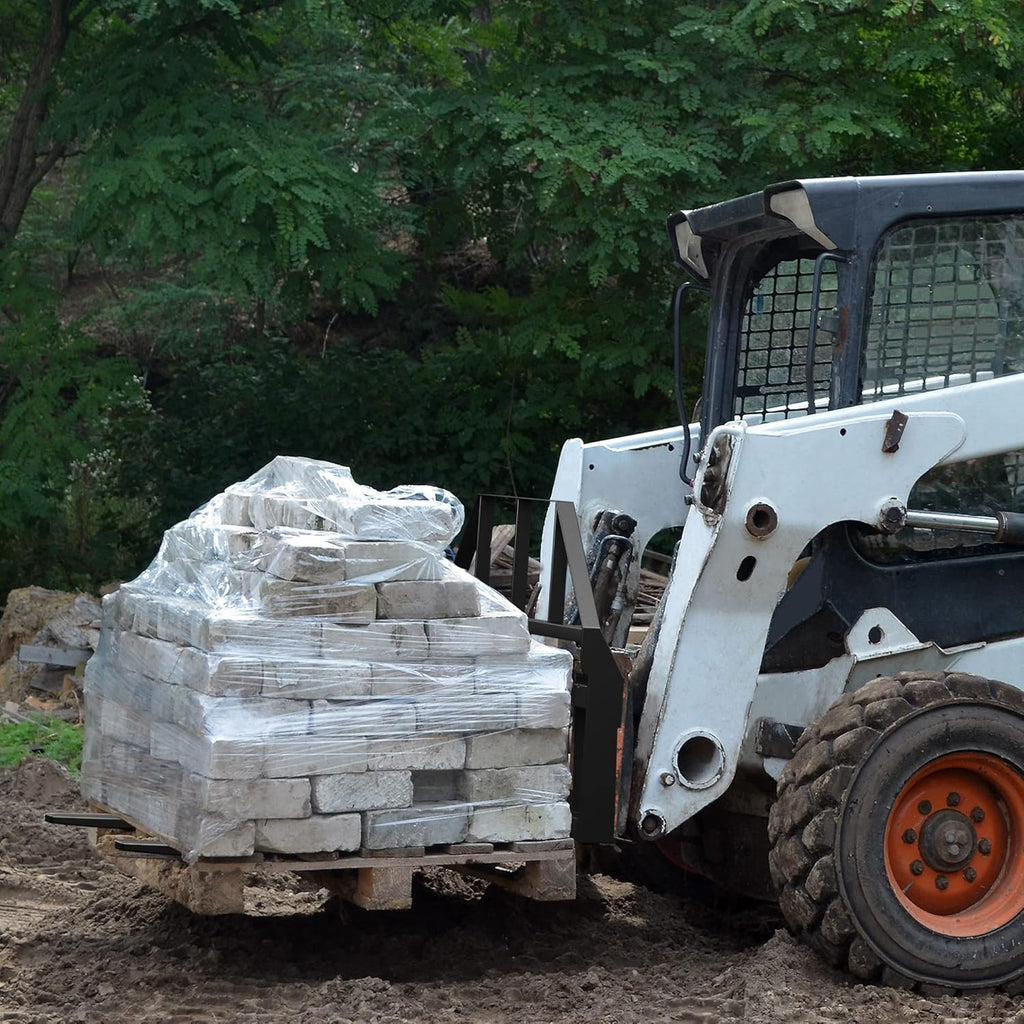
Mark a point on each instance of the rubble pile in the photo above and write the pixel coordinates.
(302, 670)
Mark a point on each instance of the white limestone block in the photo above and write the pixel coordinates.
(335, 794)
(199, 540)
(377, 561)
(408, 679)
(316, 678)
(326, 558)
(240, 630)
(381, 641)
(188, 667)
(541, 709)
(304, 557)
(319, 834)
(233, 799)
(179, 621)
(312, 755)
(216, 758)
(120, 721)
(466, 713)
(541, 668)
(230, 838)
(234, 507)
(426, 599)
(533, 785)
(516, 747)
(156, 811)
(237, 718)
(349, 603)
(428, 825)
(417, 752)
(519, 823)
(492, 633)
(380, 719)
(430, 522)
(272, 509)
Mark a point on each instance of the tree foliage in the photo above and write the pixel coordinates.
(424, 238)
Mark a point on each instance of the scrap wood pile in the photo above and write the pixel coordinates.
(302, 670)
(46, 637)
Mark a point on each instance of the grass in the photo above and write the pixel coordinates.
(59, 741)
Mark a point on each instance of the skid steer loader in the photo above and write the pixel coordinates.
(832, 691)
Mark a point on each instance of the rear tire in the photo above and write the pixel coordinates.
(898, 833)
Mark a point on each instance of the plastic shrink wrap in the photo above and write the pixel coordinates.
(302, 670)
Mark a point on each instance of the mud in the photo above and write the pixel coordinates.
(81, 942)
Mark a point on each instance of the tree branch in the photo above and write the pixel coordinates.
(19, 160)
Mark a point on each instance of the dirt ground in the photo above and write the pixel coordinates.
(81, 942)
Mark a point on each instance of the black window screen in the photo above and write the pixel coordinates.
(947, 305)
(947, 308)
(772, 373)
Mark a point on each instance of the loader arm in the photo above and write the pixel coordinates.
(784, 482)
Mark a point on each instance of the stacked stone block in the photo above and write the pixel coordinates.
(301, 671)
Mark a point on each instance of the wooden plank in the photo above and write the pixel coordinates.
(461, 848)
(553, 878)
(347, 863)
(407, 852)
(529, 846)
(383, 889)
(64, 657)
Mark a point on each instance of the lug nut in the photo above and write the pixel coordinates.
(668, 779)
(970, 874)
(941, 882)
(953, 800)
(924, 807)
(985, 847)
(909, 836)
(950, 836)
(916, 867)
(977, 815)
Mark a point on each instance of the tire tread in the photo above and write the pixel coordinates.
(803, 822)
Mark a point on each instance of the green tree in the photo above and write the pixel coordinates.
(425, 238)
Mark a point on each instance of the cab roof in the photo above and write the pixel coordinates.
(843, 214)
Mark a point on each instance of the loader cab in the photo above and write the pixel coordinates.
(827, 293)
(830, 293)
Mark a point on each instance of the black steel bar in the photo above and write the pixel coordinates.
(467, 547)
(812, 327)
(556, 581)
(521, 552)
(146, 847)
(598, 744)
(572, 544)
(484, 526)
(88, 820)
(557, 630)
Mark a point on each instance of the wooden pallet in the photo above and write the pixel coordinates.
(372, 879)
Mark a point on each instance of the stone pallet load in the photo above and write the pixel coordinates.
(302, 671)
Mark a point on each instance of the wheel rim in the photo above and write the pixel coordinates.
(954, 844)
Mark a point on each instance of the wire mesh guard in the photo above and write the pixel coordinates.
(947, 305)
(948, 308)
(771, 379)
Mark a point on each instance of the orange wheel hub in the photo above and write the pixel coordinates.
(954, 844)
